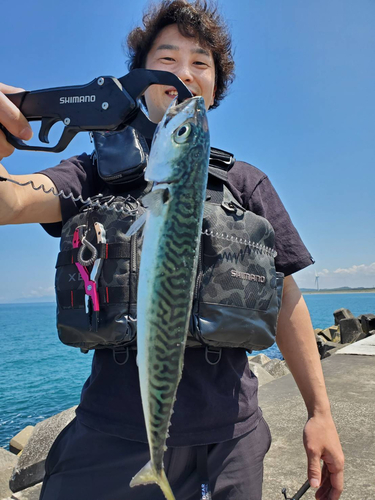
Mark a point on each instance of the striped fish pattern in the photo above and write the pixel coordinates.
(178, 164)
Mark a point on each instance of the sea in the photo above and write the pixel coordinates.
(39, 376)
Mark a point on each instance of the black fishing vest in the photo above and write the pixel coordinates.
(237, 292)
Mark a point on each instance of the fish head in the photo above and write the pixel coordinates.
(180, 140)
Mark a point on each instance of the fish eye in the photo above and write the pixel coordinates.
(182, 133)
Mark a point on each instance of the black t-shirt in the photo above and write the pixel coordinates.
(214, 403)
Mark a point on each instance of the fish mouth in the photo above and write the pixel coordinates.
(161, 185)
(174, 108)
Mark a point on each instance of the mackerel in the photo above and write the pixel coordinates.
(178, 166)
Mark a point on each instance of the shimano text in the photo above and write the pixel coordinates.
(77, 99)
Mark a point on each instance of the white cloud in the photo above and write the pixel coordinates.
(362, 269)
(361, 275)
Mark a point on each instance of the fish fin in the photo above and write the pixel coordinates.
(148, 475)
(156, 199)
(137, 225)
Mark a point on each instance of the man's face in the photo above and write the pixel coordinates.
(184, 57)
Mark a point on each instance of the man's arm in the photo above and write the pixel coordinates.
(296, 341)
(22, 204)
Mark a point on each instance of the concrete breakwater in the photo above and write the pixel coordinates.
(349, 369)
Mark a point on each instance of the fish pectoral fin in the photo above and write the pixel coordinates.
(148, 475)
(156, 199)
(137, 225)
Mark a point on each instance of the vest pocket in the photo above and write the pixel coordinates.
(239, 293)
(114, 325)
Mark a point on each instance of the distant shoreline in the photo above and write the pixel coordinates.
(332, 292)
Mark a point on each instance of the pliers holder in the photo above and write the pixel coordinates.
(90, 279)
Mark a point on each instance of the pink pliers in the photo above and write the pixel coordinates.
(90, 280)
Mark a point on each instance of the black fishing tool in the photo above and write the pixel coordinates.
(105, 104)
(299, 493)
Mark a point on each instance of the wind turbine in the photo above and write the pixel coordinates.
(317, 281)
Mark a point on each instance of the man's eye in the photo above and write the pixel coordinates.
(200, 63)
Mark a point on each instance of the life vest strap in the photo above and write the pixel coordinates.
(105, 251)
(75, 299)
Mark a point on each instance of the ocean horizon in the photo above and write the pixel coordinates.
(50, 299)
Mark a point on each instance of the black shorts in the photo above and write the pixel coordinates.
(84, 464)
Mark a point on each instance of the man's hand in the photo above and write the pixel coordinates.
(322, 443)
(12, 119)
(20, 205)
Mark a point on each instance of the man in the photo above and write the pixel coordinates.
(216, 408)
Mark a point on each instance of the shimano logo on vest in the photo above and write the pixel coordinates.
(77, 99)
(248, 277)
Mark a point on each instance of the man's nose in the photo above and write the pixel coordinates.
(184, 73)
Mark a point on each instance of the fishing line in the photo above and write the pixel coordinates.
(96, 203)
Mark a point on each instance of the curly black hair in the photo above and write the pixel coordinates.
(195, 19)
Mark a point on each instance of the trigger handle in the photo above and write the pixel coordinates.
(65, 139)
(47, 124)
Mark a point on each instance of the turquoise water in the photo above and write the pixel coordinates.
(39, 376)
(322, 306)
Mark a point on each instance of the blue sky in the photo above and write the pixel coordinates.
(301, 109)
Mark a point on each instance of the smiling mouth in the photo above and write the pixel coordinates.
(173, 93)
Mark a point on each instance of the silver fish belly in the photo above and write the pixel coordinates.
(178, 163)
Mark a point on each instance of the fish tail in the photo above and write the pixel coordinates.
(148, 475)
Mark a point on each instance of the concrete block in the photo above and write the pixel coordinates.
(276, 368)
(351, 330)
(335, 350)
(328, 347)
(7, 459)
(368, 323)
(263, 376)
(19, 441)
(32, 493)
(324, 334)
(332, 334)
(342, 314)
(30, 465)
(335, 334)
(262, 359)
(7, 462)
(320, 342)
